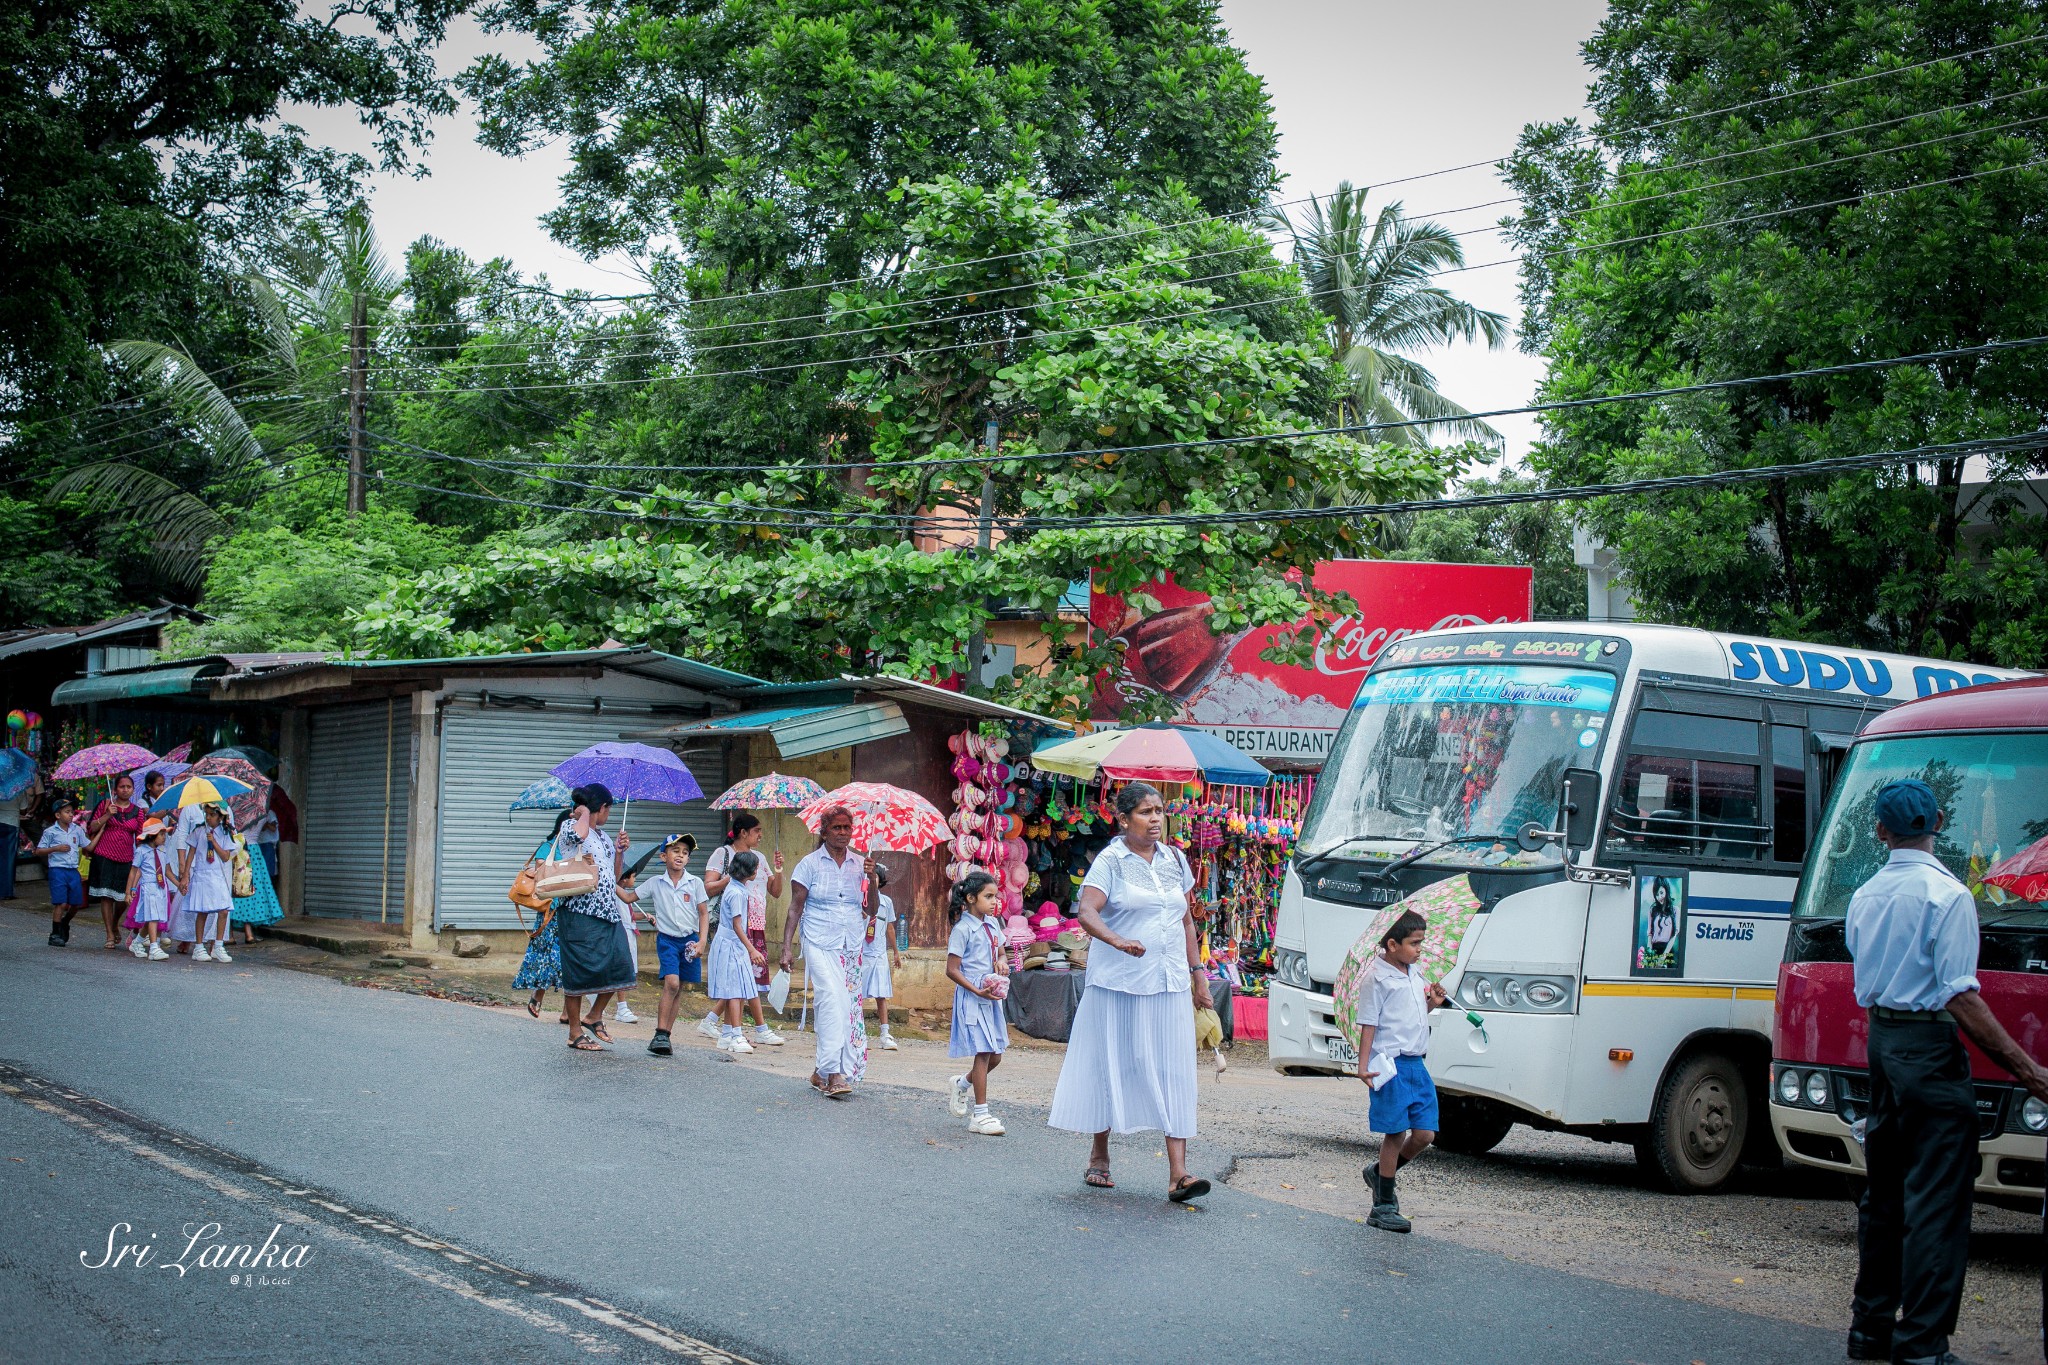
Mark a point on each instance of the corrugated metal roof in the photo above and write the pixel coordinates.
(139, 682)
(798, 731)
(35, 639)
(649, 663)
(916, 693)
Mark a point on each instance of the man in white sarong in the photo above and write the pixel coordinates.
(831, 898)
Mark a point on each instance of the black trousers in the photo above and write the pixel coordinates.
(1913, 1231)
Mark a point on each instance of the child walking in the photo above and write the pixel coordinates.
(207, 882)
(1393, 1035)
(879, 961)
(149, 886)
(682, 913)
(981, 978)
(730, 967)
(61, 844)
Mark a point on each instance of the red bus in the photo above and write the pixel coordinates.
(1984, 750)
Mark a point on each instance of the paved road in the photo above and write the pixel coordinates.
(468, 1186)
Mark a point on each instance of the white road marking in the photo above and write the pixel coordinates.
(283, 1200)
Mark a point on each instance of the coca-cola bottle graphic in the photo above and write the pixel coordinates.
(1172, 652)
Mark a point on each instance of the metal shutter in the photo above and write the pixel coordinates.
(487, 758)
(344, 820)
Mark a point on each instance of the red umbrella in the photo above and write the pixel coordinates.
(2024, 874)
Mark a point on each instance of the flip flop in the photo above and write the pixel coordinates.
(1190, 1187)
(599, 1029)
(1098, 1177)
(533, 1008)
(838, 1090)
(583, 1042)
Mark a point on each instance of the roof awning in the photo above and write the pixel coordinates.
(798, 731)
(141, 682)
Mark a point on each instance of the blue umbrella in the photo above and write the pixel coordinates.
(550, 793)
(17, 770)
(202, 789)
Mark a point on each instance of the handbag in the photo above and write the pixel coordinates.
(559, 880)
(522, 892)
(244, 877)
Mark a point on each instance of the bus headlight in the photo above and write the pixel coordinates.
(1817, 1089)
(1291, 966)
(2034, 1115)
(1788, 1085)
(1517, 992)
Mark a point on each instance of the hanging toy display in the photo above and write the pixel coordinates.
(1238, 840)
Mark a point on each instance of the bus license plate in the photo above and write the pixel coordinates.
(1342, 1051)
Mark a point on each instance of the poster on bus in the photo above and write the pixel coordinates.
(1284, 713)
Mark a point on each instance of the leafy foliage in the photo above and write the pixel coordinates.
(1883, 216)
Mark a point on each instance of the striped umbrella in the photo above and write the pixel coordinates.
(1157, 752)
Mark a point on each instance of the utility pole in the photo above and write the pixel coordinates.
(358, 396)
(983, 530)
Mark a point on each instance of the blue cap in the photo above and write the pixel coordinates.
(1907, 809)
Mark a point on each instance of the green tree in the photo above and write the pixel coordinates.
(1372, 278)
(1536, 534)
(1889, 204)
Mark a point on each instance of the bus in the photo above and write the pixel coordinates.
(1985, 753)
(1610, 819)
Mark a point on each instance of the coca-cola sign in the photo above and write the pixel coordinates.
(1277, 711)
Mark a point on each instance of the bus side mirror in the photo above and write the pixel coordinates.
(1578, 809)
(1578, 814)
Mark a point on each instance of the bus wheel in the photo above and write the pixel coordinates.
(1697, 1126)
(1471, 1126)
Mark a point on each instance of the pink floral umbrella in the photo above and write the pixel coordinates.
(1447, 906)
(770, 791)
(886, 819)
(102, 760)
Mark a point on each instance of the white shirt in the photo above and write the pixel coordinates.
(833, 897)
(65, 841)
(757, 889)
(1398, 1010)
(1912, 931)
(675, 903)
(1147, 901)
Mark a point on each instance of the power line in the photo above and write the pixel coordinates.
(1355, 429)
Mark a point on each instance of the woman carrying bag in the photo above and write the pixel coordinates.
(594, 959)
(540, 971)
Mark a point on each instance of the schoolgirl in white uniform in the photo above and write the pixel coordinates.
(150, 881)
(975, 966)
(729, 970)
(878, 956)
(210, 884)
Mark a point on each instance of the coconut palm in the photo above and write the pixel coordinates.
(331, 290)
(1372, 279)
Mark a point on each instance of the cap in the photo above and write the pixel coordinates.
(1907, 808)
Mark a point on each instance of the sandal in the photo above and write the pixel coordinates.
(533, 1008)
(583, 1042)
(112, 945)
(1190, 1187)
(839, 1089)
(818, 1083)
(598, 1028)
(1098, 1176)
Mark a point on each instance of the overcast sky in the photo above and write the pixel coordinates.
(1364, 90)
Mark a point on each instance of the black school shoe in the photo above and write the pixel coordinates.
(660, 1046)
(1869, 1345)
(60, 934)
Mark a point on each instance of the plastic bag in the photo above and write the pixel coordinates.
(778, 989)
(1208, 1029)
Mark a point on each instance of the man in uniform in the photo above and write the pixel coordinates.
(1912, 931)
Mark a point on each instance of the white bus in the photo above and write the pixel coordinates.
(1628, 807)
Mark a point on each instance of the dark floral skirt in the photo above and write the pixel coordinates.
(541, 969)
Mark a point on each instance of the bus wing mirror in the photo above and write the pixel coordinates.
(1578, 809)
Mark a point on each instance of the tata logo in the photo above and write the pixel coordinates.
(1837, 671)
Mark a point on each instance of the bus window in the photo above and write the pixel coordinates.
(1692, 784)
(1788, 793)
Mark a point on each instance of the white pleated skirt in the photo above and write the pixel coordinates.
(1130, 1065)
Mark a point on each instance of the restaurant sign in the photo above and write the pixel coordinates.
(1286, 713)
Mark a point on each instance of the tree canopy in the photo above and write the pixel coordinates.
(1867, 188)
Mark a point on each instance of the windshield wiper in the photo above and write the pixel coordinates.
(1304, 864)
(1421, 851)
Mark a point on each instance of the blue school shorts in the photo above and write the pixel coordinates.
(1406, 1101)
(669, 949)
(66, 887)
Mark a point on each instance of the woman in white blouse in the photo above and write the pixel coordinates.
(1130, 1063)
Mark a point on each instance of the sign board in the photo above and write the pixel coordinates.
(1283, 713)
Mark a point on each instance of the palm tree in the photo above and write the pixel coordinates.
(318, 316)
(1371, 279)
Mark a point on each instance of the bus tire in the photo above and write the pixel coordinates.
(1471, 1126)
(1697, 1126)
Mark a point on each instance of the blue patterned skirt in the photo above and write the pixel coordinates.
(541, 969)
(263, 907)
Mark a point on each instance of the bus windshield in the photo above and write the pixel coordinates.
(1461, 753)
(1993, 790)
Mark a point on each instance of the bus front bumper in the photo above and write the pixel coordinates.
(2010, 1166)
(1302, 1032)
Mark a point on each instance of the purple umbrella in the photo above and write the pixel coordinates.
(631, 771)
(171, 768)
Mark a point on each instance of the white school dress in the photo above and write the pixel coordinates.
(978, 1024)
(152, 887)
(211, 882)
(876, 983)
(728, 971)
